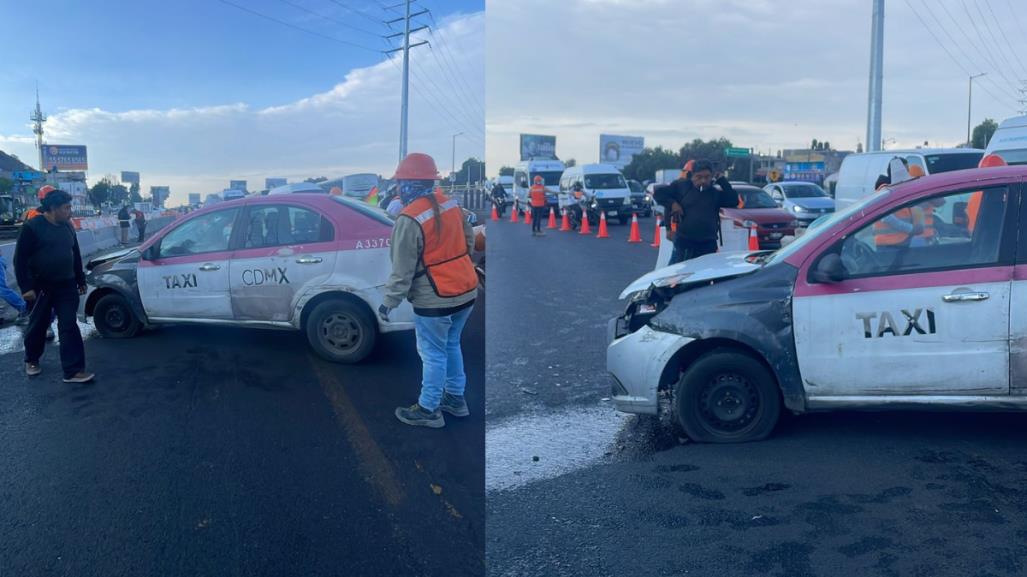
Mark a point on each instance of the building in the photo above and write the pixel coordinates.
(811, 165)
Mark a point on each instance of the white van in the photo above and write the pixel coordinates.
(601, 182)
(859, 172)
(1010, 140)
(525, 173)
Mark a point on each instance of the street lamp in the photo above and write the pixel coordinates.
(969, 102)
(452, 171)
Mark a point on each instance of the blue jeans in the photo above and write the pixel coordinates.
(7, 293)
(438, 343)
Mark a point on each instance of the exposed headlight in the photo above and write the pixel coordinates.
(627, 200)
(749, 224)
(798, 208)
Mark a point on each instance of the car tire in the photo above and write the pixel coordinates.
(341, 331)
(114, 318)
(726, 376)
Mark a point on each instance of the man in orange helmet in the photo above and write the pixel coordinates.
(537, 197)
(34, 212)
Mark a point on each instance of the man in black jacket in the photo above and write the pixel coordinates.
(48, 266)
(694, 204)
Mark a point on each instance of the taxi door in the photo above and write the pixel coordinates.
(188, 279)
(927, 316)
(283, 249)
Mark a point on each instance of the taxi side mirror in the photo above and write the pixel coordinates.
(152, 252)
(828, 269)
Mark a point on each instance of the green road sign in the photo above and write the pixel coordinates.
(736, 152)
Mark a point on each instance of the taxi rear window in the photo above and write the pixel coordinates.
(365, 209)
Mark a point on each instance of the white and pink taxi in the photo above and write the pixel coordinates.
(309, 262)
(913, 298)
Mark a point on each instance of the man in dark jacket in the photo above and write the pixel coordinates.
(694, 204)
(123, 223)
(48, 266)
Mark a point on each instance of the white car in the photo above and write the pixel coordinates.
(309, 262)
(850, 314)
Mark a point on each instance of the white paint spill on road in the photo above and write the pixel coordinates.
(563, 441)
(11, 337)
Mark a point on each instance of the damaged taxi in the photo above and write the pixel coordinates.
(906, 299)
(309, 262)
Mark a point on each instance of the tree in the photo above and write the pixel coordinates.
(6, 185)
(643, 166)
(982, 133)
(506, 171)
(813, 145)
(317, 180)
(132, 193)
(472, 170)
(100, 193)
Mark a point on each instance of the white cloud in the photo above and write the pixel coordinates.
(765, 74)
(352, 127)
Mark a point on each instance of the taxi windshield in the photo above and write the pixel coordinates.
(826, 226)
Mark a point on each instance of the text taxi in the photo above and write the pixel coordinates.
(309, 262)
(911, 298)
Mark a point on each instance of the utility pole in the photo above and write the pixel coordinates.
(969, 104)
(452, 171)
(38, 119)
(876, 78)
(405, 98)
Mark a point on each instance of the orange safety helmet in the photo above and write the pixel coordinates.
(687, 168)
(538, 179)
(417, 166)
(916, 171)
(991, 161)
(44, 190)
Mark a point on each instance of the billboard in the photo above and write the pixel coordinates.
(64, 157)
(806, 171)
(130, 177)
(160, 194)
(270, 183)
(538, 146)
(618, 150)
(237, 185)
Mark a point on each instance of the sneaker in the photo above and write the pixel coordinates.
(79, 377)
(32, 369)
(49, 334)
(420, 417)
(454, 405)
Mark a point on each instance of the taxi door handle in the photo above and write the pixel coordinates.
(309, 260)
(209, 267)
(965, 297)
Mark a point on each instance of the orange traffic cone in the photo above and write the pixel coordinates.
(754, 239)
(565, 223)
(527, 217)
(602, 226)
(584, 224)
(513, 213)
(552, 218)
(657, 235)
(635, 235)
(495, 213)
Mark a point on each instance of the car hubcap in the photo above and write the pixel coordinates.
(115, 318)
(340, 332)
(729, 403)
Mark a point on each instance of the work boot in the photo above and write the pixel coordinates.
(50, 334)
(80, 377)
(32, 369)
(454, 405)
(418, 416)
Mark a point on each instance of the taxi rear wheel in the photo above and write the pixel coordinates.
(114, 318)
(726, 397)
(341, 331)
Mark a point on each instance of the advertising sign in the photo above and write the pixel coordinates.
(129, 177)
(270, 183)
(27, 175)
(237, 185)
(160, 194)
(64, 157)
(806, 171)
(618, 150)
(538, 146)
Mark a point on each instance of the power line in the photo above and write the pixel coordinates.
(329, 18)
(972, 44)
(993, 60)
(300, 28)
(355, 11)
(1023, 69)
(994, 39)
(456, 124)
(455, 86)
(474, 123)
(444, 45)
(969, 59)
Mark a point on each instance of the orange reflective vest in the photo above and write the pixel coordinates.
(928, 221)
(973, 207)
(31, 213)
(885, 235)
(538, 195)
(444, 258)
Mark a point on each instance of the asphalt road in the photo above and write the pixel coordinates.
(222, 451)
(574, 489)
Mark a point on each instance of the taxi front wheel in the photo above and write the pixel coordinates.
(341, 331)
(114, 319)
(726, 396)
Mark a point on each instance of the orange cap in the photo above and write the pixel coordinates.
(417, 166)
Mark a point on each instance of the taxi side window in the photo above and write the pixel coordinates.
(960, 230)
(280, 225)
(208, 233)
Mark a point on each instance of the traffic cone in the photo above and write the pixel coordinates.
(527, 217)
(657, 235)
(552, 218)
(602, 226)
(635, 235)
(513, 213)
(754, 239)
(584, 224)
(565, 222)
(495, 213)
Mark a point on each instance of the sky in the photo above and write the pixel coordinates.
(195, 93)
(766, 74)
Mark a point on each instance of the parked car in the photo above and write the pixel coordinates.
(804, 200)
(758, 209)
(309, 262)
(858, 173)
(846, 316)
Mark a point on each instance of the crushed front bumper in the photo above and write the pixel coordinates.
(636, 361)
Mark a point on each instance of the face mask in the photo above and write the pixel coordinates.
(411, 190)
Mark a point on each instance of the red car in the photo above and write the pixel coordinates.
(772, 223)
